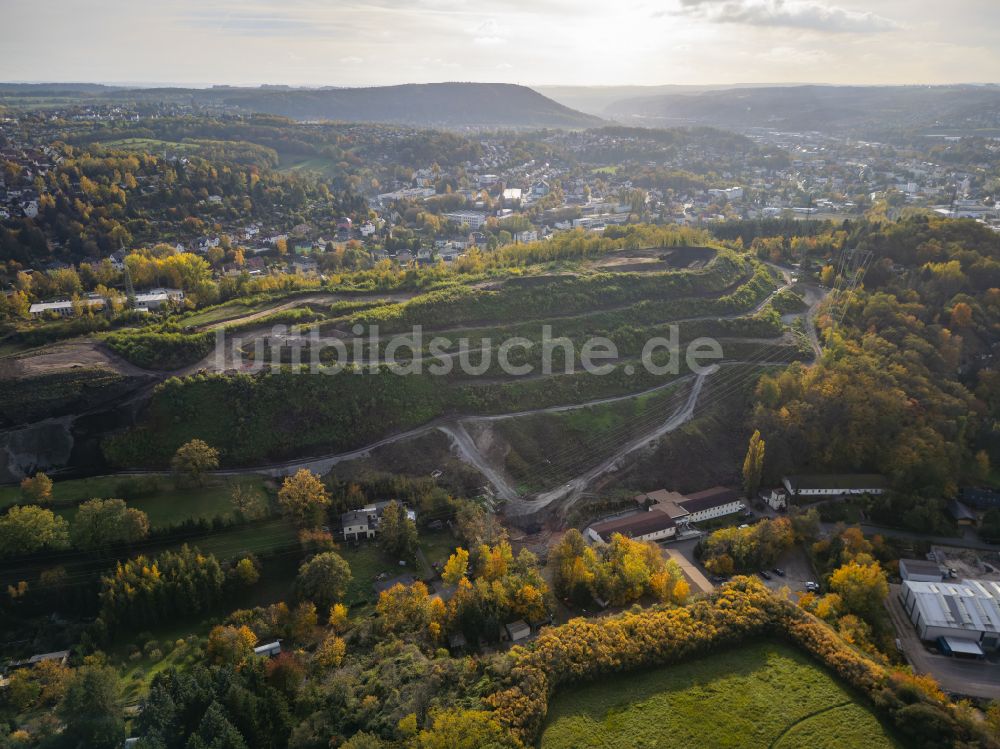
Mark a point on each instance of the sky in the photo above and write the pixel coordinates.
(532, 42)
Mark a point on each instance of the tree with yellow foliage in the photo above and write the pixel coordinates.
(230, 645)
(403, 608)
(456, 567)
(863, 588)
(304, 498)
(330, 653)
(338, 618)
(463, 729)
(37, 488)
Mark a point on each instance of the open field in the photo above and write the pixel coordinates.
(762, 695)
(164, 503)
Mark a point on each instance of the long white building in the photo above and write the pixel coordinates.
(834, 485)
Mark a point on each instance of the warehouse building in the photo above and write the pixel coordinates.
(963, 616)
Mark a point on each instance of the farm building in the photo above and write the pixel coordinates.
(834, 485)
(964, 613)
(711, 503)
(652, 525)
(920, 570)
(692, 508)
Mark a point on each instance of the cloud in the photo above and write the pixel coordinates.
(488, 33)
(802, 14)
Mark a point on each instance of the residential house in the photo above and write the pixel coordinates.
(981, 499)
(364, 522)
(961, 514)
(777, 499)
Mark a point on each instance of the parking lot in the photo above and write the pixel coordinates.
(797, 568)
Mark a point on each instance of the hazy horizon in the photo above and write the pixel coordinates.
(309, 43)
(544, 85)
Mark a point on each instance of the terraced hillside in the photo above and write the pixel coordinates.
(525, 432)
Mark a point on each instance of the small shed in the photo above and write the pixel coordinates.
(380, 586)
(920, 570)
(518, 630)
(269, 650)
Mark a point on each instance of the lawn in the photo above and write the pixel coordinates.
(258, 538)
(367, 562)
(761, 695)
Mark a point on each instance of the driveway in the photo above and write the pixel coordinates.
(955, 675)
(682, 552)
(968, 539)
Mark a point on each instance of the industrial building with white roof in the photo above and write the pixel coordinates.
(964, 614)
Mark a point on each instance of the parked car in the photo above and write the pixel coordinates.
(765, 574)
(812, 587)
(778, 571)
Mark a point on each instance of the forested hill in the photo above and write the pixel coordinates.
(823, 108)
(431, 104)
(909, 382)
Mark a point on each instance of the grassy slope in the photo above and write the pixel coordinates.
(575, 439)
(761, 695)
(166, 506)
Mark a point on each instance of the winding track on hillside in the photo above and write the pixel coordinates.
(465, 447)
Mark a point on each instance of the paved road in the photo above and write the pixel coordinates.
(970, 541)
(958, 676)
